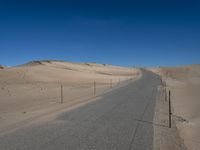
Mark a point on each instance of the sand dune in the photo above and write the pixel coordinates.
(184, 83)
(184, 72)
(36, 86)
(65, 72)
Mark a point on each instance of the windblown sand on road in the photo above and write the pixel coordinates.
(184, 83)
(33, 87)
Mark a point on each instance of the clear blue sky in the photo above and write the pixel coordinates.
(127, 33)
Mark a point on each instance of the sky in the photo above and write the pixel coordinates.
(126, 33)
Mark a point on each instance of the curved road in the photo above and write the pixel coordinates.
(117, 121)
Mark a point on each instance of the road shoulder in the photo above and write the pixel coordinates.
(165, 138)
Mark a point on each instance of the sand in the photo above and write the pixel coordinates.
(34, 88)
(184, 83)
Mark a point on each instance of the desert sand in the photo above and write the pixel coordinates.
(184, 83)
(29, 90)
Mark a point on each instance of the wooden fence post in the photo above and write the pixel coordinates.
(170, 113)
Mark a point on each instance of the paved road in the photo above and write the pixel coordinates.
(118, 121)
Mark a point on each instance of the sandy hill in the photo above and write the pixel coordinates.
(35, 87)
(184, 83)
(182, 72)
(37, 84)
(65, 72)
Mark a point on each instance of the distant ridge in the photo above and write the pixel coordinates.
(43, 62)
(187, 71)
(40, 62)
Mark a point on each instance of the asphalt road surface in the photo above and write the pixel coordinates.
(119, 120)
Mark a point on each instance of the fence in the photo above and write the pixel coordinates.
(30, 96)
(94, 88)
